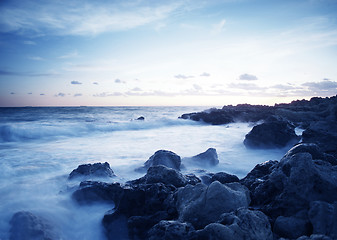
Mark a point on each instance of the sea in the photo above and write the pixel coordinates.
(40, 146)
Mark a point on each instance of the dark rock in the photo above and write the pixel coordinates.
(162, 157)
(27, 226)
(323, 217)
(208, 158)
(276, 134)
(213, 116)
(202, 205)
(141, 118)
(171, 230)
(90, 192)
(223, 177)
(292, 227)
(101, 170)
(240, 224)
(141, 207)
(315, 237)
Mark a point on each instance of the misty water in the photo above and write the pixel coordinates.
(39, 147)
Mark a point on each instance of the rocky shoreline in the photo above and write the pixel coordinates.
(294, 198)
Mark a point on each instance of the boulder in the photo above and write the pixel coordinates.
(315, 237)
(223, 177)
(171, 230)
(240, 224)
(291, 227)
(208, 158)
(27, 226)
(141, 118)
(202, 205)
(162, 157)
(323, 217)
(100, 170)
(91, 192)
(275, 134)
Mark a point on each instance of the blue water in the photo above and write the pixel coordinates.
(39, 147)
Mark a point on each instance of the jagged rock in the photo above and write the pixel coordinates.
(171, 230)
(276, 134)
(90, 192)
(141, 207)
(202, 205)
(323, 217)
(223, 177)
(101, 170)
(315, 237)
(291, 227)
(162, 157)
(207, 158)
(240, 224)
(27, 226)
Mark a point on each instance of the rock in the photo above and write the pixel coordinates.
(213, 116)
(240, 224)
(223, 177)
(323, 217)
(208, 158)
(101, 170)
(276, 134)
(293, 184)
(141, 118)
(171, 230)
(90, 192)
(202, 205)
(141, 207)
(163, 157)
(291, 227)
(314, 237)
(27, 226)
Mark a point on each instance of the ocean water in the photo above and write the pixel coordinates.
(39, 147)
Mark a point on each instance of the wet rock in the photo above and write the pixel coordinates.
(315, 237)
(101, 170)
(323, 217)
(207, 158)
(27, 226)
(202, 205)
(162, 157)
(171, 230)
(223, 177)
(276, 134)
(141, 118)
(91, 192)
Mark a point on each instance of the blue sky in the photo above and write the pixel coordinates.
(179, 52)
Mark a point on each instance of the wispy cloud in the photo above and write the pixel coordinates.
(205, 74)
(60, 94)
(119, 81)
(218, 27)
(26, 74)
(69, 55)
(81, 17)
(182, 76)
(28, 42)
(36, 58)
(78, 94)
(95, 83)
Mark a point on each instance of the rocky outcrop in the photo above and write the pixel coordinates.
(275, 134)
(207, 158)
(27, 226)
(171, 230)
(96, 170)
(162, 157)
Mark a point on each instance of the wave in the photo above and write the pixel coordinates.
(29, 131)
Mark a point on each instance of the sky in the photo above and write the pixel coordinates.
(172, 52)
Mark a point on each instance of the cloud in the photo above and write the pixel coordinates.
(181, 76)
(245, 86)
(26, 74)
(28, 42)
(78, 94)
(69, 55)
(107, 94)
(60, 95)
(96, 83)
(75, 82)
(325, 85)
(81, 17)
(42, 94)
(36, 58)
(197, 87)
(12, 93)
(119, 81)
(218, 27)
(247, 77)
(326, 79)
(30, 93)
(205, 74)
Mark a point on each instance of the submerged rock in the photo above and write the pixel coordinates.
(207, 158)
(202, 205)
(27, 226)
(141, 118)
(275, 134)
(163, 157)
(101, 170)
